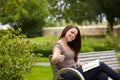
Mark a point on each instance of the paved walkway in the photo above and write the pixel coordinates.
(42, 63)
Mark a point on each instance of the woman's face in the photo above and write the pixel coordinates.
(71, 34)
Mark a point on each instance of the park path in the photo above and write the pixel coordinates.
(42, 63)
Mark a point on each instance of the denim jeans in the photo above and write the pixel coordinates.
(99, 73)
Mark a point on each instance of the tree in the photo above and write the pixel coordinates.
(87, 10)
(74, 10)
(111, 10)
(29, 15)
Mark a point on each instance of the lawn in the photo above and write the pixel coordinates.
(41, 59)
(43, 39)
(39, 73)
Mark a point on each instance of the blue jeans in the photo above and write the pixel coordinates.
(99, 73)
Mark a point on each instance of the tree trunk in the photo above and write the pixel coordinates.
(110, 26)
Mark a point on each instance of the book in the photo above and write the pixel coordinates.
(90, 65)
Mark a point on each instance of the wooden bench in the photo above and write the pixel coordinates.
(108, 57)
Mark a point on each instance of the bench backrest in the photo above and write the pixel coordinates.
(109, 57)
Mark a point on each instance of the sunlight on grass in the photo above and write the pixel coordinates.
(43, 39)
(39, 73)
(41, 59)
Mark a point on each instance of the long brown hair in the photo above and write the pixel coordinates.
(75, 45)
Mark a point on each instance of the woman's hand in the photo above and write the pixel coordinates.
(57, 56)
(61, 58)
(80, 63)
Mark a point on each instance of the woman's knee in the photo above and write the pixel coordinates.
(103, 74)
(102, 64)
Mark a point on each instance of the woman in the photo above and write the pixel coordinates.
(65, 52)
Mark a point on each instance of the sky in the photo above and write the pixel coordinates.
(4, 26)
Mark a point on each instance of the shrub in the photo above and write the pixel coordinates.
(43, 48)
(87, 44)
(99, 46)
(87, 49)
(112, 42)
(15, 57)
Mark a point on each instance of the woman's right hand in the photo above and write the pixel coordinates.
(61, 58)
(57, 56)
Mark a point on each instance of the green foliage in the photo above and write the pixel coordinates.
(50, 23)
(99, 46)
(86, 11)
(75, 10)
(87, 44)
(112, 42)
(43, 45)
(110, 8)
(15, 56)
(29, 15)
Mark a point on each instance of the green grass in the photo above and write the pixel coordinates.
(43, 39)
(41, 59)
(39, 73)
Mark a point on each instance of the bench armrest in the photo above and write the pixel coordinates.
(69, 70)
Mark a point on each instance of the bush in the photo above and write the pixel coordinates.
(99, 46)
(87, 44)
(15, 57)
(101, 43)
(112, 42)
(43, 48)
